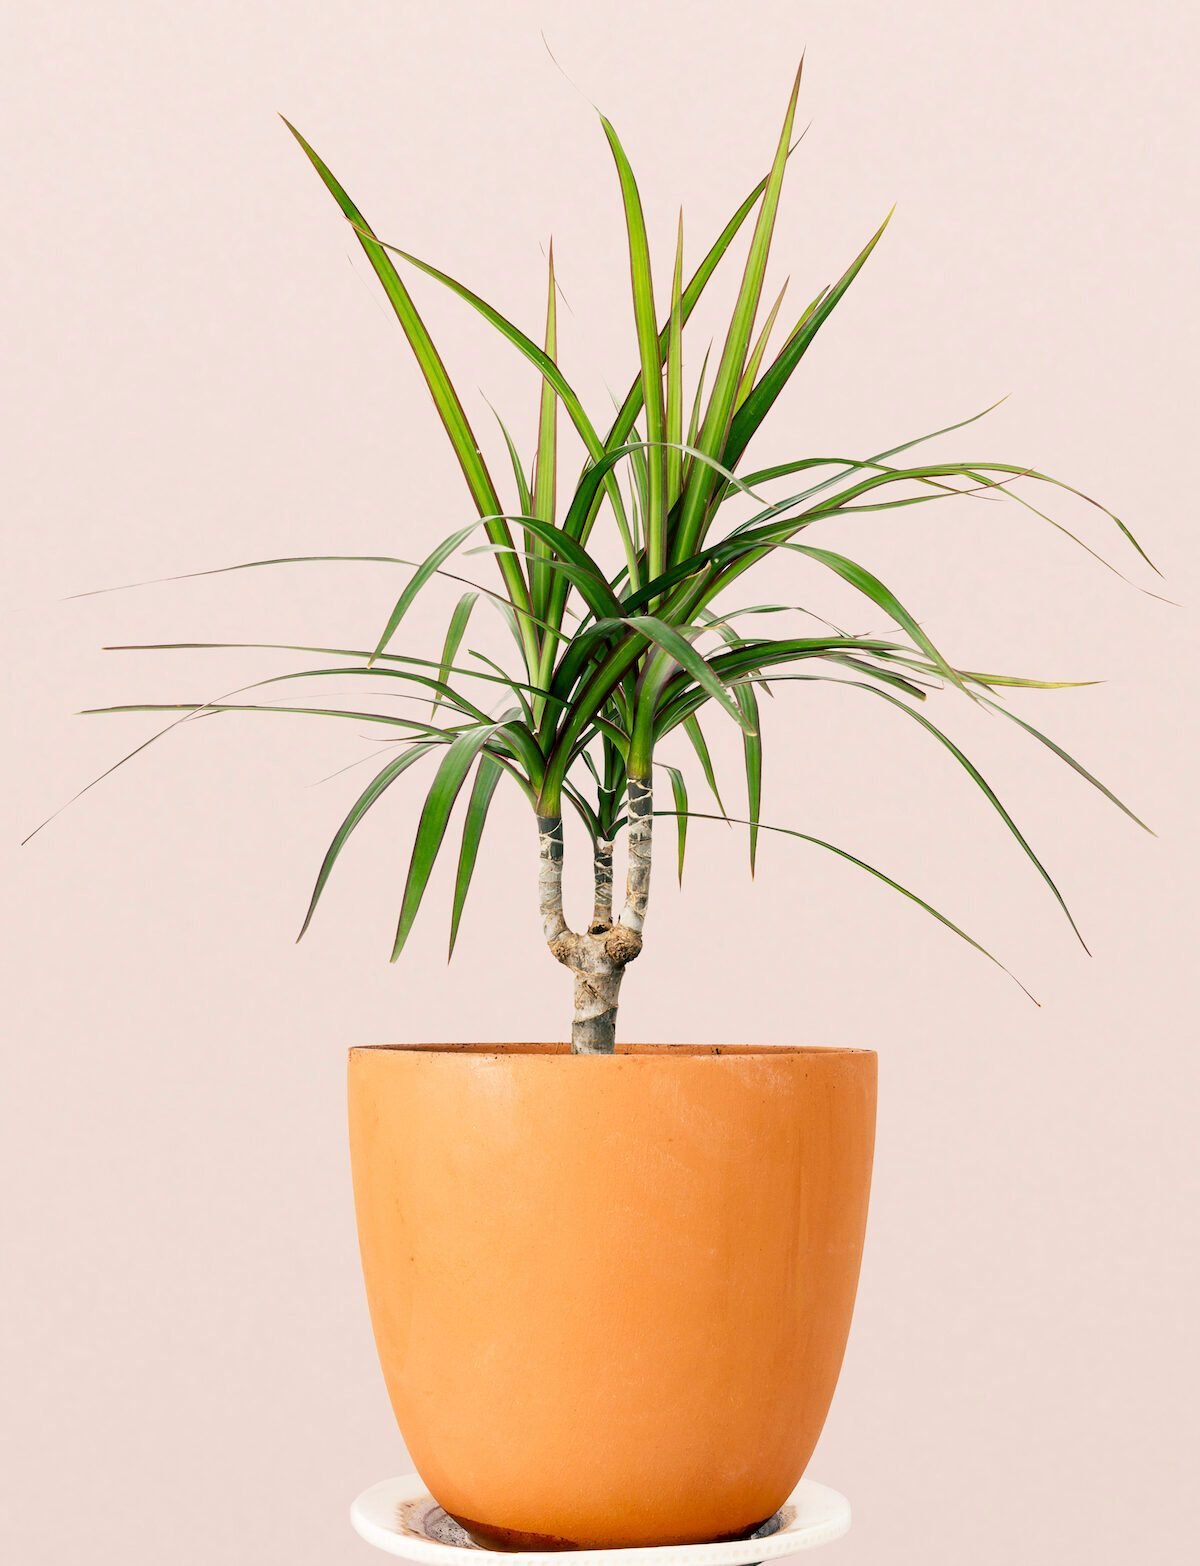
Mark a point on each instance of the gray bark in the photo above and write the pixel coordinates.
(598, 958)
(637, 874)
(602, 870)
(550, 854)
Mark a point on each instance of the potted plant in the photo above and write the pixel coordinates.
(611, 1284)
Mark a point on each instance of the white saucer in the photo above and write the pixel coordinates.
(400, 1517)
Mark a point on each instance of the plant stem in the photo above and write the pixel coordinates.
(602, 870)
(550, 856)
(598, 958)
(637, 875)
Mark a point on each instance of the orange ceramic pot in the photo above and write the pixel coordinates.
(611, 1294)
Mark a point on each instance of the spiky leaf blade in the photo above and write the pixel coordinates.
(431, 828)
(487, 775)
(715, 427)
(382, 780)
(649, 353)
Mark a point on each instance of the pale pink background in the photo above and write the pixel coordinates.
(201, 372)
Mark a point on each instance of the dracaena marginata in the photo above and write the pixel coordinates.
(616, 588)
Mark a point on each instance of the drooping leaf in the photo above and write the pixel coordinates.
(678, 648)
(680, 795)
(752, 747)
(382, 780)
(887, 880)
(417, 581)
(1044, 739)
(867, 583)
(695, 734)
(487, 775)
(982, 784)
(431, 828)
(455, 632)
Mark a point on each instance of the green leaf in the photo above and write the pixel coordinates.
(646, 322)
(746, 384)
(678, 648)
(694, 421)
(445, 398)
(333, 652)
(674, 456)
(545, 467)
(524, 493)
(487, 776)
(445, 692)
(381, 781)
(867, 583)
(745, 664)
(853, 859)
(224, 706)
(1044, 478)
(519, 616)
(455, 632)
(597, 474)
(761, 400)
(981, 475)
(586, 574)
(752, 756)
(691, 727)
(417, 581)
(752, 750)
(537, 356)
(680, 795)
(602, 692)
(435, 815)
(1063, 755)
(885, 676)
(985, 788)
(631, 407)
(851, 464)
(716, 425)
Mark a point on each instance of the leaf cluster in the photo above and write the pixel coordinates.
(606, 664)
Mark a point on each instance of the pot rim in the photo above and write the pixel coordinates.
(558, 1050)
